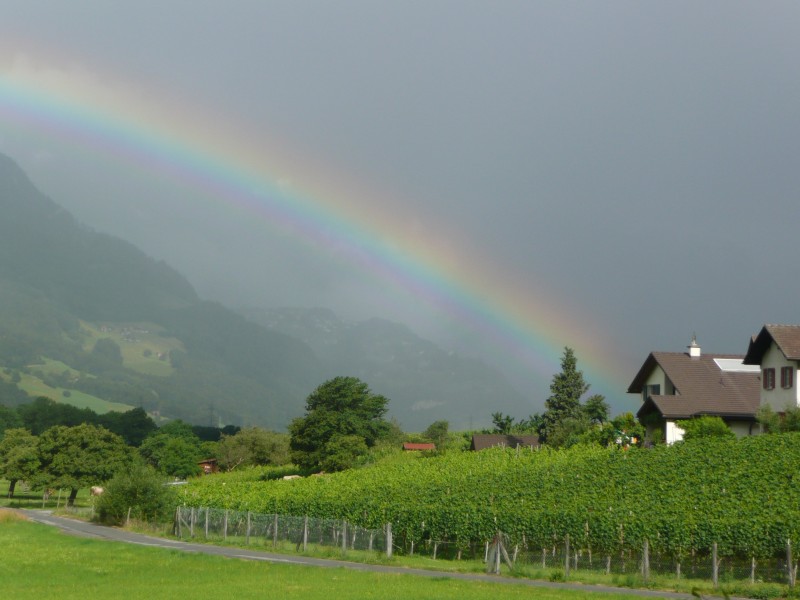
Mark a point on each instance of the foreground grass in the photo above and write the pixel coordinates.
(57, 565)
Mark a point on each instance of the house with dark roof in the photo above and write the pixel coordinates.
(682, 385)
(775, 351)
(482, 441)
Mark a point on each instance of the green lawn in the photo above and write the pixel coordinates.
(55, 565)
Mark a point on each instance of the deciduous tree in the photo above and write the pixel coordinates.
(343, 406)
(80, 456)
(19, 457)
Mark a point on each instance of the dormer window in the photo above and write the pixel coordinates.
(787, 377)
(768, 379)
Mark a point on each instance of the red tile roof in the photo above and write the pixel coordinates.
(416, 446)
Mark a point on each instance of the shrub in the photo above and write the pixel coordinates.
(141, 490)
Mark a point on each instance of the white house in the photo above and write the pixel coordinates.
(682, 385)
(775, 351)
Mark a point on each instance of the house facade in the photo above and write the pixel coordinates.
(682, 385)
(775, 351)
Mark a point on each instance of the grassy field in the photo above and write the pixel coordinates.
(36, 387)
(57, 565)
(143, 347)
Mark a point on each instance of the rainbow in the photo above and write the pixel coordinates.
(247, 178)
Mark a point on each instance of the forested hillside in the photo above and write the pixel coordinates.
(60, 282)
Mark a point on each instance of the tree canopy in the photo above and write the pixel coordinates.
(338, 411)
(19, 457)
(80, 456)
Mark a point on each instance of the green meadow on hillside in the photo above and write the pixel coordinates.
(32, 384)
(144, 348)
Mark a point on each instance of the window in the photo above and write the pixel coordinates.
(651, 390)
(787, 377)
(768, 379)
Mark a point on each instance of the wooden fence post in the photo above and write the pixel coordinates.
(191, 523)
(715, 565)
(389, 547)
(344, 537)
(206, 526)
(646, 561)
(275, 532)
(225, 526)
(247, 535)
(566, 554)
(305, 533)
(178, 522)
(789, 566)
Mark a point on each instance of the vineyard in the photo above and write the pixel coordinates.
(741, 495)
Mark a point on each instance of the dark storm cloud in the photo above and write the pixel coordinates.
(639, 160)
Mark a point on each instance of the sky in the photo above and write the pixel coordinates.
(506, 178)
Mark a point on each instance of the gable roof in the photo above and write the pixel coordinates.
(702, 387)
(481, 441)
(786, 337)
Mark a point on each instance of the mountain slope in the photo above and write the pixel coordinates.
(423, 382)
(62, 285)
(55, 272)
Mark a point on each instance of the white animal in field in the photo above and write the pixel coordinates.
(96, 490)
(286, 477)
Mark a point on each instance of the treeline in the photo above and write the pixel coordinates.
(132, 426)
(28, 451)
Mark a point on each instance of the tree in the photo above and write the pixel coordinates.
(140, 490)
(564, 402)
(133, 425)
(502, 423)
(80, 456)
(9, 419)
(437, 432)
(19, 457)
(173, 450)
(343, 406)
(252, 446)
(343, 452)
(596, 409)
(703, 427)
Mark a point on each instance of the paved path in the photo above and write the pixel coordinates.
(83, 528)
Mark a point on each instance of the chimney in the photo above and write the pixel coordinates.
(694, 349)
